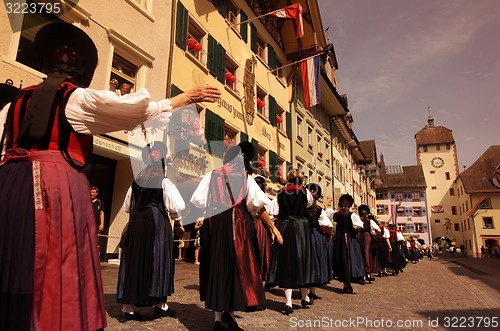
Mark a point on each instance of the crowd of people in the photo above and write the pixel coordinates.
(246, 242)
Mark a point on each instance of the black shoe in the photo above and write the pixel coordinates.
(314, 296)
(348, 290)
(218, 326)
(288, 310)
(362, 281)
(305, 304)
(229, 320)
(158, 312)
(131, 317)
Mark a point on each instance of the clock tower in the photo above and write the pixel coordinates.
(437, 154)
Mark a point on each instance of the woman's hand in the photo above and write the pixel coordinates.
(196, 94)
(203, 94)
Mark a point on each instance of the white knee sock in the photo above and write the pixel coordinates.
(163, 306)
(288, 296)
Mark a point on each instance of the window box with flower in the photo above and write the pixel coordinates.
(320, 155)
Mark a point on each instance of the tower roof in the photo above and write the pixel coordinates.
(434, 135)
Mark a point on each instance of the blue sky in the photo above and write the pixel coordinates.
(396, 58)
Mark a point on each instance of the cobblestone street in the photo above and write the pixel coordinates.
(440, 294)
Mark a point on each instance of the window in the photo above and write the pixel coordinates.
(320, 149)
(280, 113)
(299, 129)
(232, 13)
(415, 196)
(401, 211)
(438, 147)
(229, 137)
(488, 223)
(381, 195)
(262, 96)
(124, 71)
(309, 138)
(486, 204)
(437, 220)
(425, 148)
(468, 224)
(448, 146)
(457, 227)
(402, 227)
(263, 170)
(433, 187)
(261, 48)
(31, 24)
(419, 227)
(327, 152)
(432, 172)
(408, 211)
(399, 196)
(196, 41)
(417, 211)
(447, 175)
(231, 73)
(452, 191)
(453, 210)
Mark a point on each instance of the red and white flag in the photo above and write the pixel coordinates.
(292, 11)
(311, 81)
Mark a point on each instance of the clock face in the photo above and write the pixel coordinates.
(437, 162)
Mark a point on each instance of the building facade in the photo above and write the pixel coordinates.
(402, 200)
(437, 155)
(477, 194)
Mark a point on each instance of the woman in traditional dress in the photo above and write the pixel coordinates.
(292, 264)
(367, 242)
(47, 228)
(146, 274)
(348, 265)
(264, 236)
(321, 234)
(230, 276)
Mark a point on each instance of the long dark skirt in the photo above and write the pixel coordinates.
(48, 245)
(369, 252)
(264, 241)
(320, 251)
(146, 275)
(230, 279)
(292, 263)
(348, 262)
(383, 253)
(396, 260)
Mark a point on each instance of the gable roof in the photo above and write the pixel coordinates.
(475, 177)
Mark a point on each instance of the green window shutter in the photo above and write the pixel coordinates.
(272, 110)
(212, 55)
(214, 133)
(219, 136)
(273, 166)
(221, 64)
(255, 144)
(243, 137)
(210, 131)
(174, 90)
(253, 38)
(222, 8)
(181, 26)
(288, 125)
(271, 58)
(288, 168)
(243, 26)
